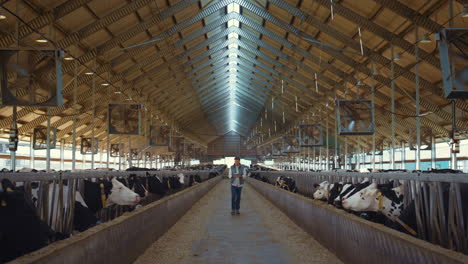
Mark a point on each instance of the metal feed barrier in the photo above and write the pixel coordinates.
(60, 217)
(437, 198)
(123, 239)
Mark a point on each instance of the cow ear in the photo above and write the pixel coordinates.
(316, 185)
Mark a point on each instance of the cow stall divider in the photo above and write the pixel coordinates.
(123, 239)
(351, 238)
(440, 199)
(61, 212)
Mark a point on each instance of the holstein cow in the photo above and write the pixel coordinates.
(194, 179)
(322, 190)
(372, 198)
(136, 184)
(350, 189)
(21, 229)
(101, 194)
(286, 183)
(155, 185)
(83, 217)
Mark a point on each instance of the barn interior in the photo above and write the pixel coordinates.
(294, 88)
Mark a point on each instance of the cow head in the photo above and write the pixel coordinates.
(181, 178)
(388, 201)
(122, 195)
(321, 192)
(364, 200)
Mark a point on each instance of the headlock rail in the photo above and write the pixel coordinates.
(123, 239)
(54, 194)
(440, 199)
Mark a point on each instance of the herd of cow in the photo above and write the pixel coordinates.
(30, 218)
(380, 203)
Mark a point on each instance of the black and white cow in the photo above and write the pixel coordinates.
(322, 190)
(101, 194)
(83, 217)
(155, 185)
(286, 183)
(21, 229)
(194, 179)
(379, 199)
(136, 184)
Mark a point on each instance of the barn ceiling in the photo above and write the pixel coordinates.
(209, 67)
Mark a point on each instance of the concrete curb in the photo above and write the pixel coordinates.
(123, 239)
(353, 239)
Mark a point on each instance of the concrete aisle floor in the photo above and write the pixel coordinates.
(261, 234)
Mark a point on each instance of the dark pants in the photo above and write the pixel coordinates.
(236, 197)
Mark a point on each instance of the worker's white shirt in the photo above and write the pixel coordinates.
(236, 182)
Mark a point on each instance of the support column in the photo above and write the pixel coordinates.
(392, 84)
(31, 153)
(433, 153)
(403, 155)
(418, 108)
(320, 159)
(346, 154)
(62, 154)
(48, 141)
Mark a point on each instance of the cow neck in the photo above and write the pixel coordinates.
(327, 194)
(390, 208)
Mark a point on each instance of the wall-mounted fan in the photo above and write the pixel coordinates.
(454, 62)
(135, 154)
(31, 77)
(276, 149)
(125, 119)
(40, 138)
(86, 146)
(177, 145)
(116, 150)
(190, 148)
(426, 139)
(355, 117)
(159, 136)
(310, 135)
(291, 144)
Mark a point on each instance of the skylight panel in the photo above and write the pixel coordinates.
(233, 35)
(234, 7)
(233, 23)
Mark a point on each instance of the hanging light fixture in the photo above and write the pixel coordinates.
(41, 40)
(296, 103)
(2, 17)
(316, 83)
(397, 57)
(69, 58)
(374, 70)
(425, 38)
(359, 83)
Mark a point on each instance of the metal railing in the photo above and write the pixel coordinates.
(61, 212)
(440, 199)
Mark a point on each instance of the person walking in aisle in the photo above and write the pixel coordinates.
(237, 174)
